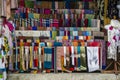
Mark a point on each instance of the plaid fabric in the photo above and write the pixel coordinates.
(46, 22)
(48, 58)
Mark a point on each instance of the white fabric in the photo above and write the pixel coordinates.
(72, 50)
(115, 23)
(93, 58)
(114, 32)
(64, 55)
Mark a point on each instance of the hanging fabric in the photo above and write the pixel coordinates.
(48, 58)
(93, 58)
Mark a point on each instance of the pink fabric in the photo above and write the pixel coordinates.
(60, 53)
(108, 43)
(47, 11)
(10, 26)
(111, 28)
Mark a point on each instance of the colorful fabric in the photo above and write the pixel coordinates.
(113, 39)
(48, 58)
(104, 51)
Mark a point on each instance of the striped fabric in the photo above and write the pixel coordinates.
(48, 58)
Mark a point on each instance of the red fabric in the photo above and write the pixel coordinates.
(61, 23)
(22, 3)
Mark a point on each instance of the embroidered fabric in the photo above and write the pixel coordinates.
(113, 38)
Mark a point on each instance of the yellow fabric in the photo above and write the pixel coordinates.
(106, 19)
(31, 58)
(36, 15)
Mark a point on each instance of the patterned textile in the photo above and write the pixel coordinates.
(48, 58)
(59, 54)
(103, 48)
(113, 35)
(93, 58)
(112, 9)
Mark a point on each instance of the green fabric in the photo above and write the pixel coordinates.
(29, 4)
(54, 34)
(83, 58)
(0, 56)
(1, 76)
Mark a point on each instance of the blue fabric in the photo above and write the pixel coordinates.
(50, 34)
(42, 44)
(77, 37)
(78, 50)
(57, 44)
(34, 28)
(47, 23)
(89, 12)
(48, 50)
(47, 65)
(3, 69)
(30, 15)
(67, 4)
(61, 33)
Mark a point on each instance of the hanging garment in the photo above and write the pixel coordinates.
(93, 58)
(113, 38)
(7, 33)
(103, 51)
(3, 60)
